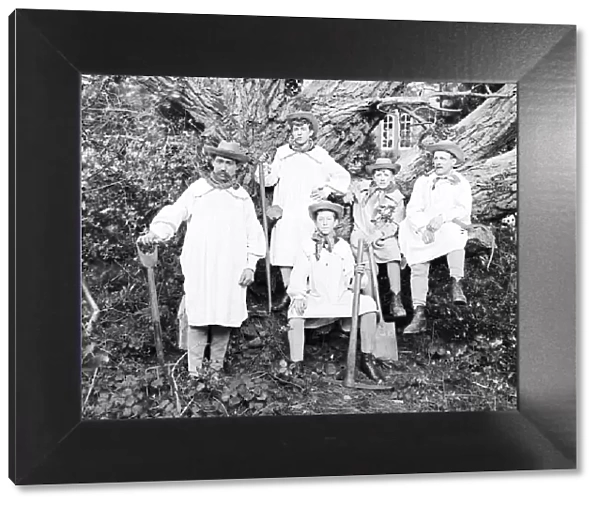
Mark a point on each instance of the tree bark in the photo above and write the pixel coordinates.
(253, 112)
(488, 138)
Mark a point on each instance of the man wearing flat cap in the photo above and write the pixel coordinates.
(439, 202)
(302, 173)
(321, 288)
(222, 244)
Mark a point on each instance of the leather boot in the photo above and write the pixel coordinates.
(418, 323)
(367, 365)
(283, 304)
(396, 308)
(458, 297)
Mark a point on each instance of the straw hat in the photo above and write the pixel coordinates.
(383, 163)
(449, 147)
(231, 150)
(302, 115)
(325, 205)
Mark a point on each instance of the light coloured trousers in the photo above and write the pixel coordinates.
(368, 326)
(419, 275)
(197, 342)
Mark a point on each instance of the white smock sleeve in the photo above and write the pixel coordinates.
(255, 237)
(416, 215)
(298, 286)
(338, 178)
(169, 218)
(462, 204)
(272, 172)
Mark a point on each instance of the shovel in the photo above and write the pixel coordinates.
(149, 261)
(349, 380)
(386, 346)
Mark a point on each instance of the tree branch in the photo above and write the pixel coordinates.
(95, 309)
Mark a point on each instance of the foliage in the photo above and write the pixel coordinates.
(140, 149)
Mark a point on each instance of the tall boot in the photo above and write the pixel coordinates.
(418, 323)
(396, 307)
(368, 366)
(458, 297)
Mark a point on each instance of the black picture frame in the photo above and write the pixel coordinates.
(49, 443)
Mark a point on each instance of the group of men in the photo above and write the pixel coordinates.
(224, 240)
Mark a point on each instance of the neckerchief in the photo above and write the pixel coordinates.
(452, 178)
(375, 190)
(302, 149)
(324, 241)
(221, 185)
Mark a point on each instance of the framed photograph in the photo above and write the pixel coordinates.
(119, 142)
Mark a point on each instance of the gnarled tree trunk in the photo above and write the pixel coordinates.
(253, 111)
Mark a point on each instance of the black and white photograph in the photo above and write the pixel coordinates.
(277, 247)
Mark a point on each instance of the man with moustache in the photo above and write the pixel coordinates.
(436, 218)
(222, 244)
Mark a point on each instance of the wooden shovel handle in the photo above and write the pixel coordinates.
(375, 283)
(351, 357)
(263, 201)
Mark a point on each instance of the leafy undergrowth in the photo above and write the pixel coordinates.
(466, 361)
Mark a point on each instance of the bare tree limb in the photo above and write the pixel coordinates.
(175, 386)
(91, 388)
(95, 309)
(419, 120)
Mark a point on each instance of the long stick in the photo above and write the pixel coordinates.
(158, 334)
(156, 319)
(263, 202)
(351, 358)
(375, 283)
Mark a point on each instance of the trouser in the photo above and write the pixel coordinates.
(419, 275)
(368, 327)
(198, 340)
(393, 273)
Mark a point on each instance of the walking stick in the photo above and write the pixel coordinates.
(263, 201)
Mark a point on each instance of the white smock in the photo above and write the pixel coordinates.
(295, 175)
(326, 284)
(447, 199)
(223, 238)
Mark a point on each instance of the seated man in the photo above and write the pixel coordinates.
(321, 288)
(378, 211)
(437, 215)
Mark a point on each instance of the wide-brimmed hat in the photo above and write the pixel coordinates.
(227, 149)
(449, 147)
(303, 115)
(325, 205)
(383, 163)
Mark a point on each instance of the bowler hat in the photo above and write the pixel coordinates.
(449, 147)
(325, 205)
(383, 163)
(307, 116)
(227, 149)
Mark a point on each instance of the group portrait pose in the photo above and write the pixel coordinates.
(224, 241)
(256, 247)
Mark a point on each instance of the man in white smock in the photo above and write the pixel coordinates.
(222, 244)
(436, 218)
(302, 173)
(321, 288)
